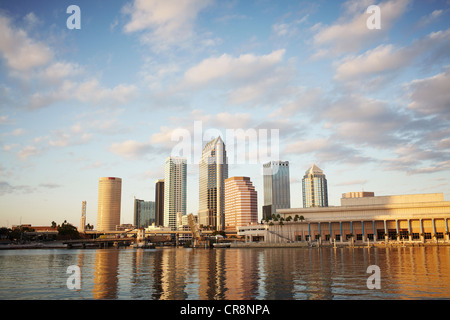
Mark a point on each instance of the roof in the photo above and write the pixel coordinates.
(314, 170)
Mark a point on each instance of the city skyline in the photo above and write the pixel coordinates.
(369, 106)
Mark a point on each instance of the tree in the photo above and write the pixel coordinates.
(68, 231)
(53, 224)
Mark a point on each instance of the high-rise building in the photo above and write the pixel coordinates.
(277, 191)
(159, 202)
(109, 202)
(83, 217)
(212, 172)
(144, 213)
(315, 190)
(241, 203)
(174, 190)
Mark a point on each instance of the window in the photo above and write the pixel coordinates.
(370, 236)
(415, 236)
(359, 236)
(338, 237)
(427, 235)
(327, 237)
(299, 238)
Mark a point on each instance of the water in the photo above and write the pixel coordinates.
(227, 274)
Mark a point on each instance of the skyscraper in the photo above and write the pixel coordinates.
(241, 203)
(213, 172)
(174, 190)
(315, 190)
(277, 191)
(159, 202)
(144, 213)
(109, 202)
(83, 217)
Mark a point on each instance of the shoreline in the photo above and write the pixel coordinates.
(60, 245)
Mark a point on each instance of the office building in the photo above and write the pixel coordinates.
(277, 193)
(212, 174)
(241, 203)
(159, 202)
(315, 190)
(174, 190)
(144, 213)
(109, 203)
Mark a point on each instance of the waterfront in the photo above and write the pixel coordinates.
(227, 274)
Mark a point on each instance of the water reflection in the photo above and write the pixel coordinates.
(230, 274)
(274, 274)
(106, 274)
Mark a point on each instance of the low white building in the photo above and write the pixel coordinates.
(418, 217)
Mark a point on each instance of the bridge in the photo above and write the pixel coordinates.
(107, 238)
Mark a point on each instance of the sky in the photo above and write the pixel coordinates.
(140, 79)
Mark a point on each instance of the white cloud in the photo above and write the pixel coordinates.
(387, 58)
(20, 52)
(27, 152)
(350, 33)
(246, 66)
(131, 149)
(164, 22)
(431, 96)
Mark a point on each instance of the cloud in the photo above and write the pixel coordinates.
(7, 188)
(363, 121)
(350, 32)
(28, 151)
(20, 52)
(87, 91)
(164, 23)
(244, 67)
(432, 17)
(131, 149)
(351, 183)
(246, 79)
(417, 159)
(325, 150)
(387, 58)
(431, 96)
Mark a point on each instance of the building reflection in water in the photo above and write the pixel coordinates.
(271, 273)
(106, 274)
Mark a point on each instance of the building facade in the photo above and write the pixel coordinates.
(144, 213)
(174, 190)
(109, 203)
(407, 218)
(241, 203)
(159, 202)
(213, 171)
(315, 189)
(277, 194)
(83, 217)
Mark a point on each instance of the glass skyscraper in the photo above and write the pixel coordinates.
(159, 202)
(277, 191)
(144, 213)
(174, 190)
(213, 172)
(315, 190)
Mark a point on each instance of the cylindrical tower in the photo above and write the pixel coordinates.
(109, 203)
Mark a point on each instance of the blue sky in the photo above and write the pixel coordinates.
(371, 107)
